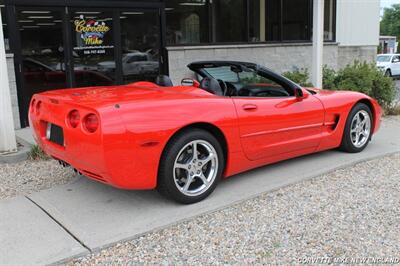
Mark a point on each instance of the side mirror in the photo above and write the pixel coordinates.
(190, 83)
(299, 93)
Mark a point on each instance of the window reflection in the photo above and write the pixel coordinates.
(187, 21)
(230, 20)
(93, 47)
(329, 32)
(257, 20)
(42, 49)
(42, 52)
(140, 45)
(4, 25)
(272, 17)
(296, 20)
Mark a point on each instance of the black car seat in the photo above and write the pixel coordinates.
(164, 81)
(211, 85)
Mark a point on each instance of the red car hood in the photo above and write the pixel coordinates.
(324, 93)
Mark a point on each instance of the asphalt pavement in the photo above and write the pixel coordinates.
(55, 225)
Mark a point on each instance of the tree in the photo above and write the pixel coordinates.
(390, 23)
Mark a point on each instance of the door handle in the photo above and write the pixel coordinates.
(249, 107)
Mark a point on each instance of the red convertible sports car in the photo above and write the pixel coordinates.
(183, 139)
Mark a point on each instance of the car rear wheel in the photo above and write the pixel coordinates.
(358, 129)
(191, 166)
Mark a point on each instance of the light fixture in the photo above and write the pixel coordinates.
(57, 20)
(30, 27)
(25, 21)
(44, 17)
(87, 12)
(36, 12)
(123, 17)
(169, 8)
(132, 13)
(192, 4)
(45, 24)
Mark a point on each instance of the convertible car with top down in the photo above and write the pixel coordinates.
(184, 139)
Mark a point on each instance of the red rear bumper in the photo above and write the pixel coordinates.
(109, 155)
(82, 150)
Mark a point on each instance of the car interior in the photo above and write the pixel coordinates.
(164, 81)
(242, 81)
(212, 86)
(236, 80)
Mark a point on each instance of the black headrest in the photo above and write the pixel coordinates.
(211, 85)
(163, 80)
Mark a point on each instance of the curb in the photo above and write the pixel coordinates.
(19, 156)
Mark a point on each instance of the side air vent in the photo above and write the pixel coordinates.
(332, 121)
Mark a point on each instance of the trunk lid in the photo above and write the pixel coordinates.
(103, 96)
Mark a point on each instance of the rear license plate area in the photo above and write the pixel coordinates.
(55, 134)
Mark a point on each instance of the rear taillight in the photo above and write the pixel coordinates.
(38, 106)
(91, 123)
(74, 118)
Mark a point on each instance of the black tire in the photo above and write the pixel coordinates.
(347, 145)
(166, 180)
(388, 73)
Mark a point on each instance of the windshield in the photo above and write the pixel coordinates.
(243, 76)
(383, 58)
(247, 81)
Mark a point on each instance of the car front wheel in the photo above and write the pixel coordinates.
(191, 166)
(358, 129)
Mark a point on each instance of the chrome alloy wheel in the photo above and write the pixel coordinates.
(195, 168)
(360, 129)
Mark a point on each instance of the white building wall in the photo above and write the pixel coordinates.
(13, 90)
(278, 57)
(357, 22)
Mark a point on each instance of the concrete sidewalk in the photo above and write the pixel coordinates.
(69, 220)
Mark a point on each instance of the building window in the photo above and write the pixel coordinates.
(140, 39)
(5, 26)
(256, 20)
(230, 20)
(242, 21)
(273, 20)
(329, 20)
(296, 20)
(93, 47)
(187, 21)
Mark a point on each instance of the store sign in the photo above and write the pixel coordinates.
(92, 32)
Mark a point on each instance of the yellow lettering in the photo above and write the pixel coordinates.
(81, 27)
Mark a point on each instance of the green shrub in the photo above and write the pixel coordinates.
(36, 153)
(361, 77)
(299, 76)
(356, 77)
(328, 78)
